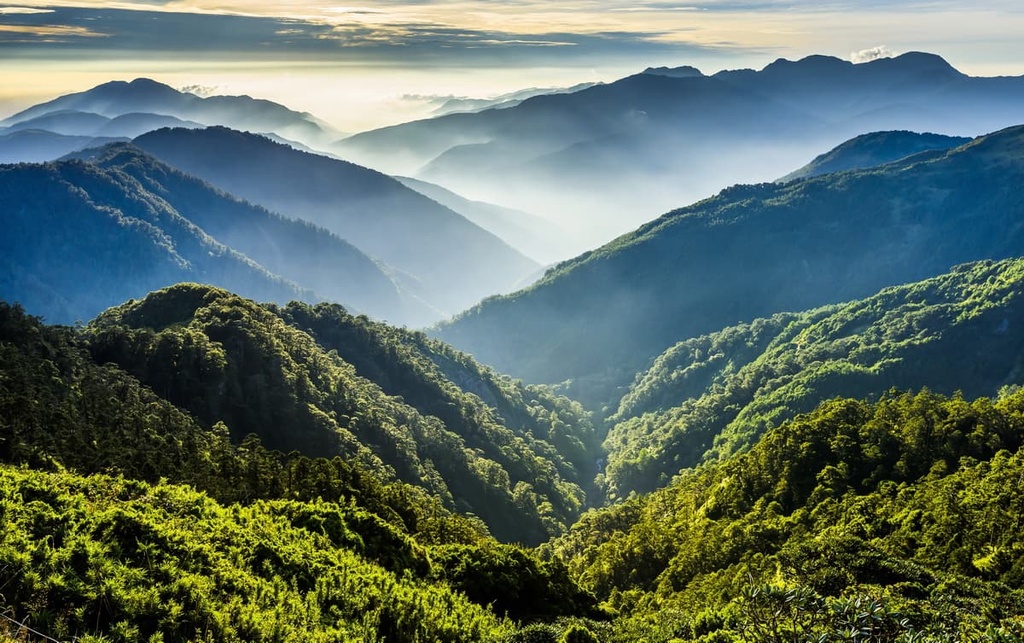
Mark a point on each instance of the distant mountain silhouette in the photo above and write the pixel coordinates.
(876, 148)
(145, 96)
(605, 159)
(749, 252)
(531, 235)
(450, 261)
(39, 146)
(297, 250)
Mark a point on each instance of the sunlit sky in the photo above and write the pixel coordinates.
(376, 62)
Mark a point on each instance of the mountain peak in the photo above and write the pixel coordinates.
(917, 62)
(686, 71)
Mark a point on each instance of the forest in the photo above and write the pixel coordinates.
(196, 466)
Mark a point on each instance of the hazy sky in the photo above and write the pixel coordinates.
(377, 61)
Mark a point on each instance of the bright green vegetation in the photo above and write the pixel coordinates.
(361, 391)
(900, 517)
(716, 394)
(181, 534)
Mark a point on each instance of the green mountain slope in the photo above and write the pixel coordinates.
(876, 148)
(855, 522)
(713, 395)
(226, 359)
(750, 252)
(258, 546)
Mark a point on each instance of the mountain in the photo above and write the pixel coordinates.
(40, 146)
(451, 262)
(296, 250)
(79, 238)
(325, 383)
(875, 148)
(156, 100)
(710, 396)
(605, 159)
(175, 526)
(887, 521)
(535, 237)
(750, 252)
(75, 123)
(458, 104)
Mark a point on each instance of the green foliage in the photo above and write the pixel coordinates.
(130, 561)
(382, 397)
(908, 505)
(710, 396)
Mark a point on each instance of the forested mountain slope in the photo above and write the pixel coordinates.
(245, 544)
(875, 148)
(226, 359)
(79, 238)
(750, 252)
(297, 250)
(451, 261)
(893, 521)
(710, 396)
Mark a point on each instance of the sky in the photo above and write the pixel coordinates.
(377, 62)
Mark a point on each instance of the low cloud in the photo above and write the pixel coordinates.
(200, 90)
(867, 55)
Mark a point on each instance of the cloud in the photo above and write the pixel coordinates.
(867, 55)
(22, 10)
(358, 37)
(200, 90)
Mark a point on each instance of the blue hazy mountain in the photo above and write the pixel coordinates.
(145, 96)
(78, 238)
(450, 261)
(605, 159)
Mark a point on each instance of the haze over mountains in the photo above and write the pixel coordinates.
(607, 158)
(751, 251)
(128, 109)
(453, 262)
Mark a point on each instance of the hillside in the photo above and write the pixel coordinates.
(892, 521)
(606, 159)
(297, 250)
(876, 148)
(750, 252)
(186, 532)
(369, 393)
(449, 261)
(124, 201)
(79, 238)
(708, 397)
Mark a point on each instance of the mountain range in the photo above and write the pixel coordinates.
(452, 262)
(603, 160)
(127, 109)
(749, 252)
(791, 411)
